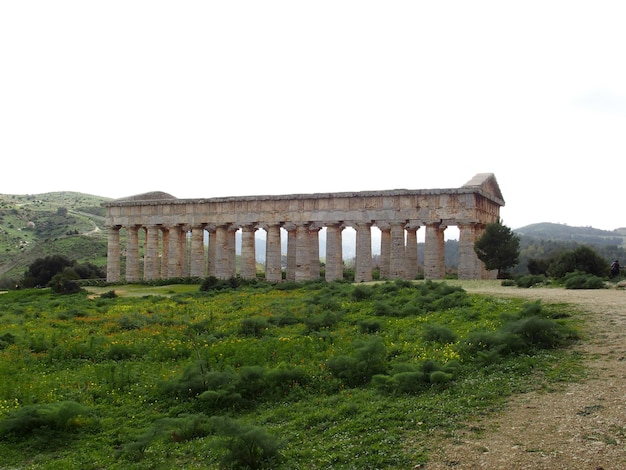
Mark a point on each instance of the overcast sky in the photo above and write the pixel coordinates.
(233, 98)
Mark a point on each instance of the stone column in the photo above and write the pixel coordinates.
(434, 256)
(303, 253)
(412, 267)
(113, 254)
(385, 249)
(151, 254)
(165, 252)
(363, 265)
(273, 262)
(468, 268)
(184, 252)
(291, 251)
(248, 255)
(197, 251)
(334, 253)
(174, 265)
(222, 252)
(314, 255)
(132, 253)
(212, 251)
(397, 252)
(232, 241)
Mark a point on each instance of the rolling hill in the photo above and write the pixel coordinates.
(35, 226)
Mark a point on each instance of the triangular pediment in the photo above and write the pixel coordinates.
(488, 184)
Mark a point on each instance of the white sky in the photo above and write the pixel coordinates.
(232, 98)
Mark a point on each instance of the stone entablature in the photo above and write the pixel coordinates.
(397, 213)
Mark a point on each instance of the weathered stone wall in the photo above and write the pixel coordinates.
(167, 221)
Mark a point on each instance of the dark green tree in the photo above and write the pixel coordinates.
(42, 270)
(65, 282)
(498, 248)
(583, 258)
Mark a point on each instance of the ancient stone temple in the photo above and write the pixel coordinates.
(166, 237)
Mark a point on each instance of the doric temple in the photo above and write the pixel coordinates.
(174, 233)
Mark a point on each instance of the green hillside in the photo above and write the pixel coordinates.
(37, 225)
(566, 233)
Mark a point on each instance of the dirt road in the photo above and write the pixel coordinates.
(579, 427)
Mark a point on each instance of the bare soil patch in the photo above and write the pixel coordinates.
(579, 426)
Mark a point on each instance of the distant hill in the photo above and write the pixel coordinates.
(37, 225)
(565, 233)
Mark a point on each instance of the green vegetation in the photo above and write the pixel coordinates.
(313, 375)
(578, 268)
(545, 241)
(498, 248)
(61, 223)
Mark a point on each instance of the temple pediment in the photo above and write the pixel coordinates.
(487, 183)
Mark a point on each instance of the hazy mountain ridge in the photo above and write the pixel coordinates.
(71, 223)
(562, 232)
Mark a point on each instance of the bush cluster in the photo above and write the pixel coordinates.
(415, 378)
(582, 263)
(43, 419)
(531, 328)
(234, 388)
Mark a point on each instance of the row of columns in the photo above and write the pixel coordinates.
(168, 255)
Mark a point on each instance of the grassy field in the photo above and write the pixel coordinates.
(293, 376)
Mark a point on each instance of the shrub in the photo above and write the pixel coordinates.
(367, 361)
(531, 280)
(540, 332)
(317, 322)
(438, 334)
(253, 326)
(251, 382)
(579, 280)
(283, 379)
(360, 293)
(382, 309)
(193, 381)
(188, 426)
(65, 282)
(248, 447)
(403, 382)
(494, 342)
(43, 418)
(6, 340)
(451, 299)
(369, 325)
(131, 322)
(214, 400)
(121, 351)
(415, 378)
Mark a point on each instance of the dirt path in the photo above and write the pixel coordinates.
(579, 427)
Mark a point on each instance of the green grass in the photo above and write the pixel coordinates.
(171, 377)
